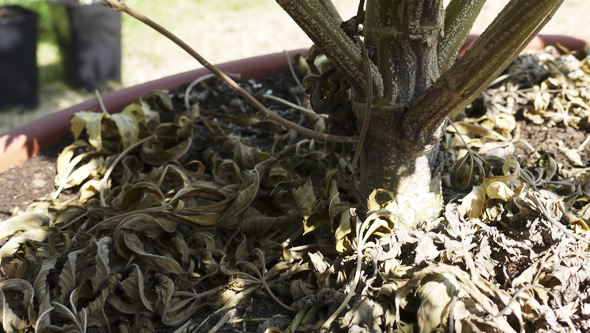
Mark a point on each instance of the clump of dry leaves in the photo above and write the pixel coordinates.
(186, 210)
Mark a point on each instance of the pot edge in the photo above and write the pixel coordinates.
(27, 141)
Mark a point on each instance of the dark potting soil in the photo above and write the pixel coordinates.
(33, 179)
(22, 184)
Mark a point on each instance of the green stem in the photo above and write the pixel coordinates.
(459, 18)
(323, 28)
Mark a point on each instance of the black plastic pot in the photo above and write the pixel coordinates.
(18, 57)
(89, 38)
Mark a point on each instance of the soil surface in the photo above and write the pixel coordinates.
(545, 139)
(34, 179)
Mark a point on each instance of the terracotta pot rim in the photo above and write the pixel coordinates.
(40, 135)
(25, 142)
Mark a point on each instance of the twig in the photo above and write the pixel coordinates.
(228, 315)
(298, 319)
(369, 101)
(106, 319)
(119, 6)
(293, 71)
(293, 105)
(100, 102)
(583, 145)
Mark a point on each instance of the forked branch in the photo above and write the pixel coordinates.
(500, 43)
(317, 19)
(120, 6)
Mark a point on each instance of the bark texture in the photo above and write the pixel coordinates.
(417, 83)
(404, 35)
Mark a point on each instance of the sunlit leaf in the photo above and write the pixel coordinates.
(92, 122)
(32, 235)
(23, 222)
(127, 127)
(435, 297)
(499, 190)
(472, 204)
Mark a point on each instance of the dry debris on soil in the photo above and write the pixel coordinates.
(194, 214)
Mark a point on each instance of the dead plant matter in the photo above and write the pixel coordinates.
(191, 210)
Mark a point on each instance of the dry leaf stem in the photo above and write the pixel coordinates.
(119, 6)
(369, 97)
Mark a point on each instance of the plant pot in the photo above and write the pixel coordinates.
(18, 57)
(89, 39)
(27, 141)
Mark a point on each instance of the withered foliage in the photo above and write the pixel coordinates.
(186, 210)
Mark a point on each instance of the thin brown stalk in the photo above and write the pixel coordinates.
(119, 6)
(369, 101)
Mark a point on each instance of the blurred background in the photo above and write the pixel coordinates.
(221, 30)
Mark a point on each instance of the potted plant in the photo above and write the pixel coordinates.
(18, 57)
(246, 263)
(27, 141)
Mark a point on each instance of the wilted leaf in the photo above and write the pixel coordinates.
(10, 320)
(156, 262)
(67, 277)
(472, 204)
(499, 190)
(33, 235)
(127, 127)
(92, 122)
(340, 220)
(43, 295)
(306, 200)
(471, 169)
(572, 154)
(435, 296)
(24, 222)
(79, 319)
(154, 153)
(103, 269)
